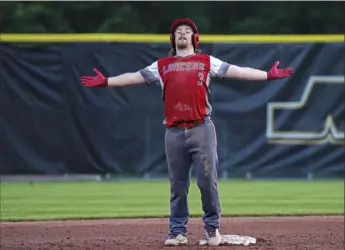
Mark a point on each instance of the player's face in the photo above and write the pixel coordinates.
(183, 37)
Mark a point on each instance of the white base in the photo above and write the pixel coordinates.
(232, 239)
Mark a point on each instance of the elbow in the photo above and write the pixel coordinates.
(234, 72)
(245, 73)
(127, 79)
(134, 78)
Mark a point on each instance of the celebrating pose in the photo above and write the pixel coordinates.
(190, 137)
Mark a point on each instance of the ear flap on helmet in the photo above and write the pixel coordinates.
(172, 40)
(195, 40)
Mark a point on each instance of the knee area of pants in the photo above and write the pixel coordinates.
(179, 187)
(207, 172)
(205, 183)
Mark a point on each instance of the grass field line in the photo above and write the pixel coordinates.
(153, 217)
(56, 201)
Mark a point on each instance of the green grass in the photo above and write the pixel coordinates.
(39, 201)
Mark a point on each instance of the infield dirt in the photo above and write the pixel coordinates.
(311, 232)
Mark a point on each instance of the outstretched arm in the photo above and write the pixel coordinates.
(148, 75)
(222, 69)
(246, 73)
(127, 79)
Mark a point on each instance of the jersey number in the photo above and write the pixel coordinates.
(201, 78)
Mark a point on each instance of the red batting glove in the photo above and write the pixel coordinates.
(276, 73)
(95, 81)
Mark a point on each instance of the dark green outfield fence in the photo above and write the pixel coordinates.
(51, 124)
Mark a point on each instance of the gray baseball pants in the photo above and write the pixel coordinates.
(197, 148)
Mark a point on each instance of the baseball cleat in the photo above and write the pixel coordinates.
(176, 240)
(213, 236)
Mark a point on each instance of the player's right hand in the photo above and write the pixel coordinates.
(95, 81)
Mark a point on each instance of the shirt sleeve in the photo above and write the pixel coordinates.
(151, 73)
(218, 67)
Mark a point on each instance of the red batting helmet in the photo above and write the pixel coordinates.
(188, 22)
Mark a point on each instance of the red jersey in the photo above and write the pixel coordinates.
(185, 85)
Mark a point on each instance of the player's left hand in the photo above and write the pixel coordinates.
(275, 73)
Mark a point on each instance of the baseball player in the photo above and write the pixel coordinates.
(190, 137)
